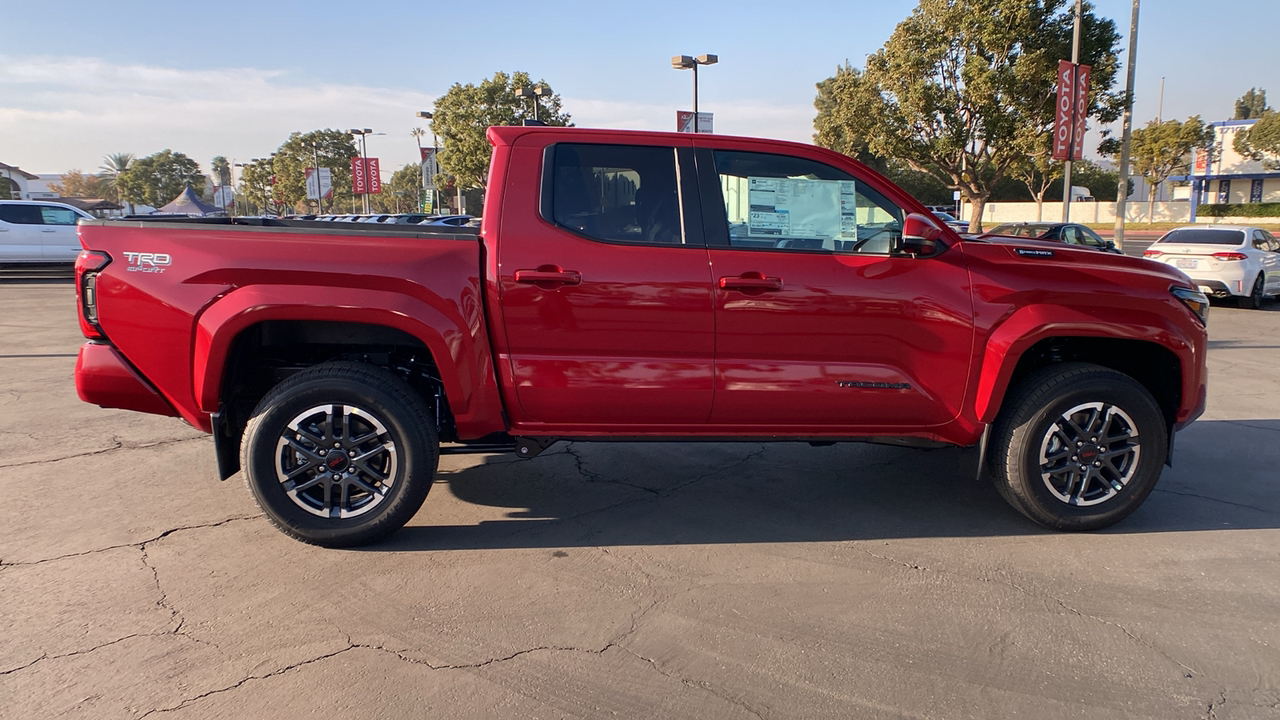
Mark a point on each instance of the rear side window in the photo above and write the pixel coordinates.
(617, 193)
(21, 214)
(789, 203)
(1204, 236)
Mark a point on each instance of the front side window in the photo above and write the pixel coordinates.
(617, 193)
(58, 216)
(789, 203)
(1091, 238)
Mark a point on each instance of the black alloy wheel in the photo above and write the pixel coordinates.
(1078, 446)
(1253, 301)
(340, 454)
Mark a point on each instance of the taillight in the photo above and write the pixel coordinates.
(1230, 256)
(88, 264)
(1151, 253)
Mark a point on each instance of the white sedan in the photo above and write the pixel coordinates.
(1224, 260)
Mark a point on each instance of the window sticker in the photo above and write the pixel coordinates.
(802, 208)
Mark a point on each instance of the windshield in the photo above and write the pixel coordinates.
(1204, 236)
(945, 216)
(1026, 231)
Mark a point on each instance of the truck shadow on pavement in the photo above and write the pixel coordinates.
(611, 494)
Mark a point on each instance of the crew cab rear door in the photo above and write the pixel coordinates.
(820, 322)
(605, 288)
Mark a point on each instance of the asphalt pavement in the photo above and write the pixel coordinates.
(629, 580)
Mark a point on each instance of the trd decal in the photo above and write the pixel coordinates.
(873, 385)
(147, 262)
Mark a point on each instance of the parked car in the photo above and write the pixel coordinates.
(953, 222)
(1225, 261)
(611, 301)
(1069, 233)
(38, 231)
(449, 221)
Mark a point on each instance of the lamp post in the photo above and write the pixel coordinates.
(685, 62)
(534, 93)
(364, 159)
(435, 149)
(315, 151)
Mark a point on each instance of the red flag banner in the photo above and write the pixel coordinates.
(1080, 113)
(1071, 110)
(359, 178)
(1062, 114)
(375, 177)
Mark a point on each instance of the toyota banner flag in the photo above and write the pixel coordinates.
(365, 178)
(1071, 110)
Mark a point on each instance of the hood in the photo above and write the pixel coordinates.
(1041, 253)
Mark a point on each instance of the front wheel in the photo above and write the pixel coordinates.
(1078, 446)
(340, 454)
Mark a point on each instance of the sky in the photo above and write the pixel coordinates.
(235, 78)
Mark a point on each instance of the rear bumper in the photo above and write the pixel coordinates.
(105, 378)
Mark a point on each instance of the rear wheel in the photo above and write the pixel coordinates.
(1253, 300)
(1078, 446)
(340, 454)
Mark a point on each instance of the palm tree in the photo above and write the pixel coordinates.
(112, 166)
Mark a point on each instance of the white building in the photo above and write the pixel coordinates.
(1222, 175)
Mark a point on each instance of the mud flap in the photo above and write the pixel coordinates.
(226, 446)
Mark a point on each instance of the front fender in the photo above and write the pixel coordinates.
(1030, 324)
(460, 349)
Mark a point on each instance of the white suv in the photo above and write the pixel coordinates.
(34, 231)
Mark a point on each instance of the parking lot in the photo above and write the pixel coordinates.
(629, 580)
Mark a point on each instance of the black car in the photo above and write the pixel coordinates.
(1069, 233)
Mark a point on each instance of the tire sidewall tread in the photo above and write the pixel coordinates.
(1037, 402)
(374, 389)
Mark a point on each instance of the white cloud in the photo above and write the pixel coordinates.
(61, 113)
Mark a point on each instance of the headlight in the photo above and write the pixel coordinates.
(1195, 301)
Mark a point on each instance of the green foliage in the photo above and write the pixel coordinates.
(157, 179)
(920, 185)
(78, 185)
(1102, 183)
(1239, 210)
(963, 90)
(464, 113)
(1261, 141)
(403, 193)
(112, 166)
(335, 147)
(1163, 148)
(221, 170)
(255, 196)
(1252, 104)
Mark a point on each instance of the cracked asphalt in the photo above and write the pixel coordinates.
(628, 580)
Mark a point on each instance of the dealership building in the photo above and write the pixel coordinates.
(1222, 175)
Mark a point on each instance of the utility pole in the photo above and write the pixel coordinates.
(315, 150)
(1071, 149)
(1122, 189)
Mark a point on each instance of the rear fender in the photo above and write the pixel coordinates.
(461, 352)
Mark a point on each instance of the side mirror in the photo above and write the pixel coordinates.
(919, 235)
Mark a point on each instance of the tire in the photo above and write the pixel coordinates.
(1034, 474)
(384, 454)
(1253, 301)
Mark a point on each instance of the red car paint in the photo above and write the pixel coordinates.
(539, 332)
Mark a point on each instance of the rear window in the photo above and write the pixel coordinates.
(1026, 231)
(1205, 236)
(617, 193)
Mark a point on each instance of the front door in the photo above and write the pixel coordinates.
(606, 294)
(820, 323)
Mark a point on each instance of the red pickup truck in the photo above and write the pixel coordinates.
(640, 286)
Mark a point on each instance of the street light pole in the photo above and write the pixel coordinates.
(1126, 132)
(1071, 149)
(685, 62)
(364, 163)
(315, 150)
(435, 199)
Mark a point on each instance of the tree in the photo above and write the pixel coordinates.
(157, 179)
(962, 88)
(1038, 171)
(112, 166)
(255, 196)
(221, 170)
(77, 184)
(1162, 148)
(1261, 142)
(335, 148)
(1252, 104)
(405, 189)
(463, 114)
(1101, 183)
